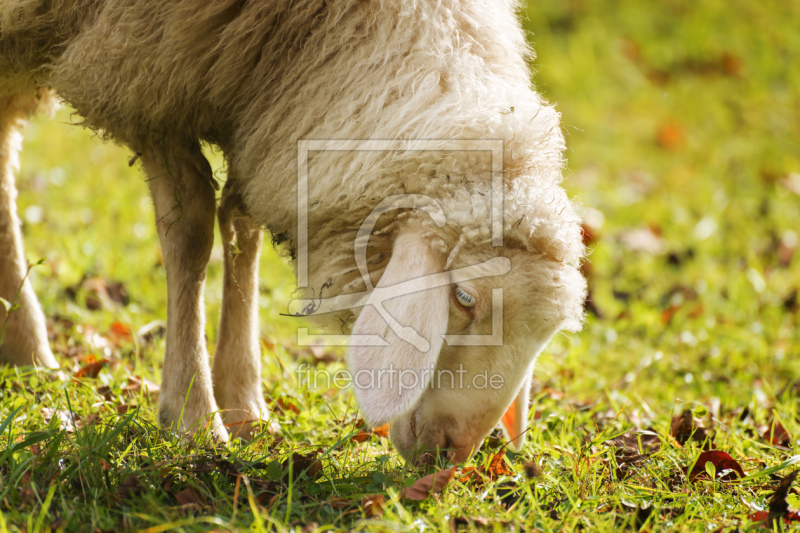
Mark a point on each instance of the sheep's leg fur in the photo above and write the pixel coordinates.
(237, 362)
(180, 182)
(25, 338)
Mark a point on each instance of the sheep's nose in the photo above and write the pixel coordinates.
(445, 450)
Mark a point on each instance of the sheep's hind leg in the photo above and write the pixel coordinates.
(180, 182)
(24, 340)
(237, 362)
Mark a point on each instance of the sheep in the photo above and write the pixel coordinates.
(455, 260)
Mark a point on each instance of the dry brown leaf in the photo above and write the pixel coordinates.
(191, 498)
(430, 484)
(137, 384)
(532, 470)
(308, 464)
(775, 433)
(339, 503)
(130, 487)
(778, 506)
(382, 432)
(686, 427)
(373, 505)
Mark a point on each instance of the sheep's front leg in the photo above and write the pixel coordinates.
(180, 182)
(23, 335)
(237, 362)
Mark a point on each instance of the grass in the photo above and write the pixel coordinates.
(683, 126)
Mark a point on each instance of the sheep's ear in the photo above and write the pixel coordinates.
(516, 417)
(389, 380)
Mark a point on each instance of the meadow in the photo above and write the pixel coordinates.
(676, 407)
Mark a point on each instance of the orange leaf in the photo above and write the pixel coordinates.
(497, 467)
(430, 484)
(382, 431)
(670, 136)
(123, 331)
(90, 370)
(361, 436)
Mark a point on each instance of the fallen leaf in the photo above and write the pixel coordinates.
(121, 331)
(105, 392)
(130, 487)
(497, 466)
(191, 498)
(373, 505)
(481, 474)
(722, 461)
(361, 436)
(430, 484)
(137, 384)
(686, 427)
(629, 454)
(775, 433)
(151, 331)
(472, 521)
(308, 464)
(507, 493)
(285, 406)
(670, 136)
(778, 506)
(91, 369)
(532, 470)
(382, 432)
(100, 293)
(339, 503)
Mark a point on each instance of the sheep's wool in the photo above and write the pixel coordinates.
(255, 77)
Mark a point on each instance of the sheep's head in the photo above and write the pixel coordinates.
(460, 353)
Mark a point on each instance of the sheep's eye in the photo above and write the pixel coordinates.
(464, 298)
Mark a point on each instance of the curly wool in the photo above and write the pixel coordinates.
(254, 77)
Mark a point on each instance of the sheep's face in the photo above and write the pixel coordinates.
(495, 319)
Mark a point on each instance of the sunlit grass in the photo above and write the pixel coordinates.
(683, 126)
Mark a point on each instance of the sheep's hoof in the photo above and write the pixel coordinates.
(20, 348)
(247, 429)
(247, 421)
(180, 418)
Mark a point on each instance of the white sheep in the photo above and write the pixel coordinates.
(480, 234)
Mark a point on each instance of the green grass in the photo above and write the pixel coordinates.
(683, 122)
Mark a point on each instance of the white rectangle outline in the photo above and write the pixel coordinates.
(495, 146)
